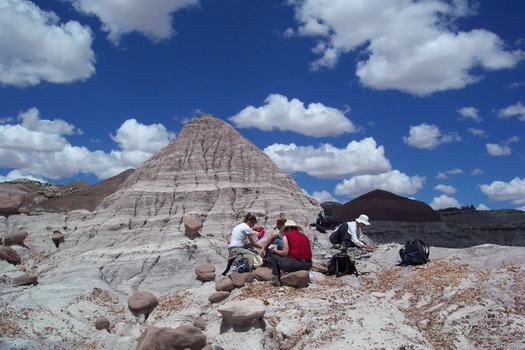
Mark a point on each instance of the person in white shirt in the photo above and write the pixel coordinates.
(350, 234)
(242, 232)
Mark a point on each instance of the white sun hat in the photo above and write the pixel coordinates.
(363, 219)
(290, 223)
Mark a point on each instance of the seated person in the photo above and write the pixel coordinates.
(240, 234)
(274, 238)
(295, 255)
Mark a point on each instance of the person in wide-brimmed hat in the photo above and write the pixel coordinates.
(350, 234)
(296, 253)
(273, 238)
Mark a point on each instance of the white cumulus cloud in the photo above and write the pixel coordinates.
(425, 136)
(393, 181)
(36, 47)
(506, 191)
(133, 136)
(469, 113)
(37, 148)
(151, 18)
(447, 189)
(502, 149)
(316, 119)
(406, 45)
(323, 196)
(498, 150)
(443, 202)
(327, 161)
(477, 132)
(515, 110)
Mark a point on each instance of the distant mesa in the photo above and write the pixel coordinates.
(381, 205)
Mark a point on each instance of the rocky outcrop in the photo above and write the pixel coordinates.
(211, 172)
(29, 196)
(79, 195)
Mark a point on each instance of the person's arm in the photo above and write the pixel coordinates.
(268, 241)
(284, 251)
(254, 242)
(361, 243)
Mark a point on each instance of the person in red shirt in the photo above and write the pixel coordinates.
(295, 255)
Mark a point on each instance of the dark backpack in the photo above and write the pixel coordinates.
(341, 264)
(414, 252)
(241, 266)
(238, 263)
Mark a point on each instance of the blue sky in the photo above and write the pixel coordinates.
(424, 99)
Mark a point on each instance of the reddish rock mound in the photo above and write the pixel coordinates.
(385, 206)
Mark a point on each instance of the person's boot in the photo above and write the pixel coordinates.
(276, 282)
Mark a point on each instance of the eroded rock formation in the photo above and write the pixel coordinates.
(210, 172)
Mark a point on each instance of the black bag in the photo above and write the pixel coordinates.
(414, 252)
(341, 264)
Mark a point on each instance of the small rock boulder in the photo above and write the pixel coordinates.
(217, 297)
(240, 279)
(15, 238)
(263, 274)
(27, 280)
(142, 303)
(205, 272)
(192, 227)
(200, 322)
(10, 202)
(242, 312)
(225, 284)
(57, 238)
(10, 255)
(180, 338)
(102, 323)
(296, 279)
